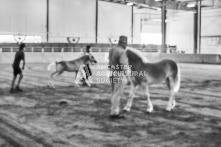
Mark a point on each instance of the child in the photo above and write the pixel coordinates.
(87, 68)
(16, 68)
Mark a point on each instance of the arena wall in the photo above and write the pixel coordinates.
(102, 57)
(186, 58)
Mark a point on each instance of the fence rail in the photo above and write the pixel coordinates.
(72, 49)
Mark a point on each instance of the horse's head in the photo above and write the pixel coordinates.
(92, 60)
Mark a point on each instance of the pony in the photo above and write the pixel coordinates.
(143, 73)
(71, 66)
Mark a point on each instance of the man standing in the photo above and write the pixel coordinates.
(16, 68)
(117, 62)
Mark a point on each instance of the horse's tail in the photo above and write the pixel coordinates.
(50, 65)
(177, 80)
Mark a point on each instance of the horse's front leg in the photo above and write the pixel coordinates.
(131, 97)
(146, 92)
(76, 81)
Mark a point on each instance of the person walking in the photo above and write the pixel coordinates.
(16, 68)
(117, 61)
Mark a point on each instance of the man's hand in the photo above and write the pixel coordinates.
(23, 67)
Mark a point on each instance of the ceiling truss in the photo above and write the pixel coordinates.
(170, 4)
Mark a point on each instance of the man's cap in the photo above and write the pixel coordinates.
(123, 39)
(21, 46)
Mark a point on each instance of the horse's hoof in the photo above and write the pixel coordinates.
(168, 109)
(149, 110)
(126, 110)
(117, 116)
(76, 85)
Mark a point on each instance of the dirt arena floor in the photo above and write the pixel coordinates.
(68, 116)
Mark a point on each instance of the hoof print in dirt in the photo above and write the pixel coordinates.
(63, 103)
(125, 111)
(113, 117)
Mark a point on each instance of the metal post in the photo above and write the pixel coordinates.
(96, 23)
(47, 22)
(132, 24)
(195, 31)
(163, 23)
(199, 26)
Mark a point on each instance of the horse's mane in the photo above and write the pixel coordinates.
(138, 53)
(85, 56)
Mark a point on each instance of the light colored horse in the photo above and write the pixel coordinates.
(71, 66)
(144, 74)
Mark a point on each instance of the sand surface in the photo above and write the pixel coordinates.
(37, 118)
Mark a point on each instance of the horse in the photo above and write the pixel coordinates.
(143, 73)
(71, 66)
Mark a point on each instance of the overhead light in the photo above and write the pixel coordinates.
(190, 5)
(130, 4)
(158, 0)
(156, 19)
(156, 8)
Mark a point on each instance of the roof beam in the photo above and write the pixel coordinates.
(170, 4)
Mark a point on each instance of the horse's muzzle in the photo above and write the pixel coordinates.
(94, 62)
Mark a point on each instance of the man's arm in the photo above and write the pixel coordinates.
(23, 62)
(109, 58)
(126, 69)
(123, 60)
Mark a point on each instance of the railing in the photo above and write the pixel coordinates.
(72, 49)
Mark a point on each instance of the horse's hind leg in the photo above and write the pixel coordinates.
(131, 97)
(58, 73)
(146, 92)
(172, 91)
(76, 80)
(172, 102)
(51, 78)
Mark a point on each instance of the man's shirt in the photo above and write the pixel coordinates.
(18, 57)
(117, 59)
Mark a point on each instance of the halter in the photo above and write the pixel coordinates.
(91, 57)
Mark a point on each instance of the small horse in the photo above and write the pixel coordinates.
(71, 66)
(144, 73)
